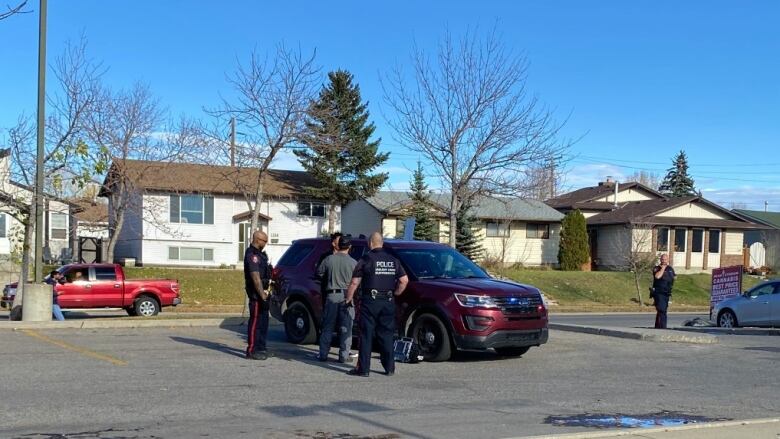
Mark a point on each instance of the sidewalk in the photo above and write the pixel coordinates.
(752, 429)
(647, 334)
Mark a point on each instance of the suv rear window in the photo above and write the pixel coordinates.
(295, 254)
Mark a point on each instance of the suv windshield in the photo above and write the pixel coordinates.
(439, 263)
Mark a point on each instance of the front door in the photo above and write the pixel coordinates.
(76, 292)
(697, 248)
(680, 247)
(244, 239)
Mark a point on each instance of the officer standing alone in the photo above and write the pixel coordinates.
(335, 273)
(381, 278)
(663, 279)
(257, 278)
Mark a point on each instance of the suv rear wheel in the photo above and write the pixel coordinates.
(299, 325)
(432, 336)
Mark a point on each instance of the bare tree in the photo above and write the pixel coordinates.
(468, 112)
(71, 100)
(633, 245)
(12, 10)
(129, 125)
(272, 96)
(647, 178)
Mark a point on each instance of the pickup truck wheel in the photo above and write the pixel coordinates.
(432, 336)
(299, 325)
(146, 306)
(513, 351)
(131, 311)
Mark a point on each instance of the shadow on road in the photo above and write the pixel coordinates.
(220, 347)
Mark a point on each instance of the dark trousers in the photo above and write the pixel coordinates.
(377, 318)
(661, 306)
(335, 311)
(257, 328)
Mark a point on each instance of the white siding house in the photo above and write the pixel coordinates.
(200, 218)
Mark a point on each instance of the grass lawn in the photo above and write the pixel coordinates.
(201, 289)
(605, 289)
(222, 290)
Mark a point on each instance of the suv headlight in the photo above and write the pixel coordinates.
(473, 301)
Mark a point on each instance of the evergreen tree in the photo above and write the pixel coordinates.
(467, 242)
(339, 153)
(574, 250)
(677, 182)
(425, 224)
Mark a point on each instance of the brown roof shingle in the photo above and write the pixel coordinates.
(210, 179)
(583, 198)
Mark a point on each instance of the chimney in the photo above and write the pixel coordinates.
(616, 193)
(607, 182)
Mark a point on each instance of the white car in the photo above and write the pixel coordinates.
(759, 306)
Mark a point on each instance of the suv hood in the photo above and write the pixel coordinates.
(488, 286)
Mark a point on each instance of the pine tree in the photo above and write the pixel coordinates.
(425, 225)
(339, 153)
(677, 182)
(467, 242)
(574, 250)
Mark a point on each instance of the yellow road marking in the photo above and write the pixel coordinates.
(74, 348)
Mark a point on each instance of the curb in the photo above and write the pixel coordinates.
(116, 323)
(657, 335)
(640, 432)
(729, 331)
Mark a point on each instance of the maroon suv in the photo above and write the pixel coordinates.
(450, 303)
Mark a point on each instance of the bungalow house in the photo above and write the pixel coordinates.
(630, 220)
(57, 218)
(769, 237)
(197, 215)
(511, 230)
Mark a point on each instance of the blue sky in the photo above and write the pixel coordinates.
(639, 80)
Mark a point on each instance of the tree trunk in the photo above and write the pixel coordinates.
(253, 225)
(638, 290)
(453, 219)
(119, 206)
(331, 218)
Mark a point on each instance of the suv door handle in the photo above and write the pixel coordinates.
(87, 286)
(117, 286)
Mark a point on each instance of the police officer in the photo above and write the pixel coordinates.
(335, 273)
(382, 279)
(257, 278)
(663, 279)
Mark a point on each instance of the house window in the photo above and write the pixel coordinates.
(192, 254)
(680, 240)
(306, 208)
(662, 241)
(714, 246)
(537, 231)
(400, 227)
(59, 225)
(3, 232)
(192, 209)
(697, 241)
(494, 230)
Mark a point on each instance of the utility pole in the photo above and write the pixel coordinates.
(38, 250)
(232, 141)
(766, 205)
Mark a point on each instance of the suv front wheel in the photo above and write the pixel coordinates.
(299, 325)
(432, 336)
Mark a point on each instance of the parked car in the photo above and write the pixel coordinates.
(759, 306)
(105, 286)
(450, 302)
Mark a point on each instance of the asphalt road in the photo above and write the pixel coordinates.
(193, 382)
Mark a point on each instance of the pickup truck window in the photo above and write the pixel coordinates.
(105, 273)
(77, 274)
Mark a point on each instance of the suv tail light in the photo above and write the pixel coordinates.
(175, 287)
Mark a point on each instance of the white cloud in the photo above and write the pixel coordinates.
(285, 159)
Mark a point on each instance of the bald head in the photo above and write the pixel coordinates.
(259, 239)
(376, 241)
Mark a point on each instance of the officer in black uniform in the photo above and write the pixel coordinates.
(382, 279)
(257, 278)
(663, 279)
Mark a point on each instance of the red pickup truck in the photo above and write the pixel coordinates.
(105, 286)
